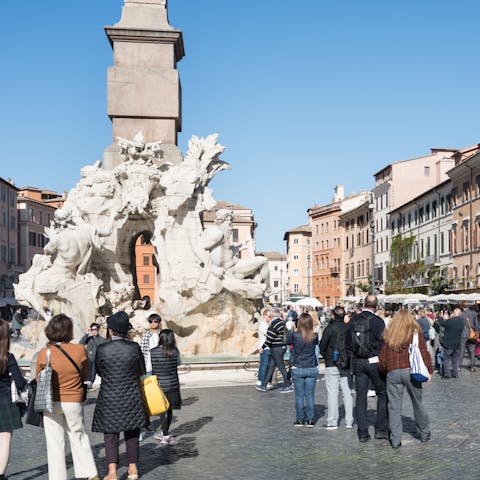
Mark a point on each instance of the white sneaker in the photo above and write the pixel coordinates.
(371, 393)
(269, 386)
(259, 382)
(158, 436)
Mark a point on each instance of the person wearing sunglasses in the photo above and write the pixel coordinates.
(92, 340)
(150, 339)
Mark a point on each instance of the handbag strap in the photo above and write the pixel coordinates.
(70, 358)
(47, 361)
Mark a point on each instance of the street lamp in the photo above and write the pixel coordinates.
(371, 208)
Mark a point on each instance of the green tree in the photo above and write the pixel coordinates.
(401, 267)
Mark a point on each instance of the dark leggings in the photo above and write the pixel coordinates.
(275, 360)
(112, 441)
(166, 420)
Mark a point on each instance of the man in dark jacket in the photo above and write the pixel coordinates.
(92, 340)
(452, 339)
(275, 341)
(337, 369)
(364, 341)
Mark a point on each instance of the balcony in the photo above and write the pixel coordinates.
(432, 261)
(335, 271)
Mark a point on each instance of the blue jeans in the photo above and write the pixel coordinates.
(305, 380)
(262, 366)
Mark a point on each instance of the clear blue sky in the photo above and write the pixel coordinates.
(305, 94)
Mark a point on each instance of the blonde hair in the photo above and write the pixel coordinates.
(305, 327)
(399, 333)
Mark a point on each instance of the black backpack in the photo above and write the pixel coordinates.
(360, 338)
(343, 362)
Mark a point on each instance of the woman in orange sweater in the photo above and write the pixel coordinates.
(70, 369)
(395, 362)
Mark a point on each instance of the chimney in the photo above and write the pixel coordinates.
(339, 193)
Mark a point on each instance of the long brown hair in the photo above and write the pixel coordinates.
(399, 333)
(4, 345)
(305, 327)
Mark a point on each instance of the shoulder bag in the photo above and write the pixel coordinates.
(418, 370)
(155, 400)
(472, 333)
(84, 385)
(44, 395)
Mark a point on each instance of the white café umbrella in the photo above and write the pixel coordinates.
(309, 302)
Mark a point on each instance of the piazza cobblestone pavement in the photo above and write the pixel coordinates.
(238, 433)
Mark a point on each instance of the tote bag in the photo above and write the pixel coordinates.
(44, 396)
(155, 400)
(418, 370)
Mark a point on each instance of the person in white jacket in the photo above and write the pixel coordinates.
(264, 352)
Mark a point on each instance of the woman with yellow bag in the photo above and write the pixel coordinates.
(165, 362)
(120, 405)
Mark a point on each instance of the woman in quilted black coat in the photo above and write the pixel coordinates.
(120, 406)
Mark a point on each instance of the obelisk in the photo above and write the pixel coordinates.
(143, 86)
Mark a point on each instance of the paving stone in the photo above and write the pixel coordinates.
(239, 433)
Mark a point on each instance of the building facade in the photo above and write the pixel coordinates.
(277, 266)
(426, 223)
(9, 249)
(328, 284)
(36, 208)
(357, 249)
(395, 185)
(465, 232)
(298, 261)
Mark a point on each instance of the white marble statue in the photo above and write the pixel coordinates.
(87, 266)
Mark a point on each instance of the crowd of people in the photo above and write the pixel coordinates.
(120, 406)
(366, 351)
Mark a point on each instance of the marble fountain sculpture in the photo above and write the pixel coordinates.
(204, 292)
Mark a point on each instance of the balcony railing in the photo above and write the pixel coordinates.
(431, 260)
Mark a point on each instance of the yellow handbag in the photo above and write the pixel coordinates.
(155, 400)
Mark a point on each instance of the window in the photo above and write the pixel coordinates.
(235, 234)
(12, 255)
(146, 279)
(442, 243)
(295, 257)
(12, 198)
(295, 272)
(275, 283)
(426, 171)
(4, 193)
(295, 241)
(275, 268)
(32, 239)
(4, 253)
(13, 222)
(41, 240)
(146, 260)
(4, 218)
(466, 191)
(31, 215)
(40, 217)
(48, 220)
